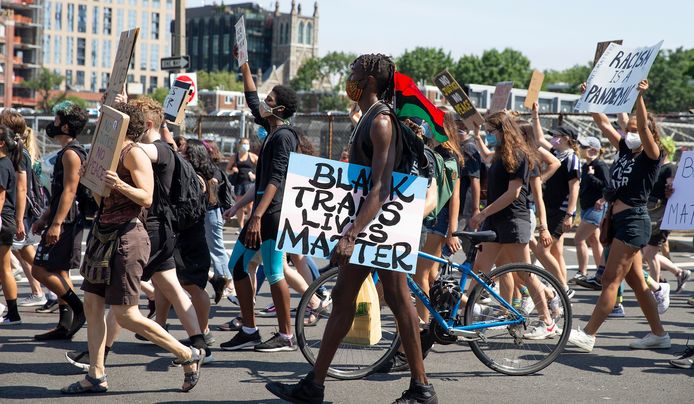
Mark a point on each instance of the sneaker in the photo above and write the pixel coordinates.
(17, 273)
(690, 301)
(583, 341)
(397, 364)
(576, 277)
(306, 391)
(570, 293)
(78, 359)
(540, 330)
(32, 300)
(218, 285)
(686, 360)
(652, 341)
(5, 321)
(58, 333)
(269, 311)
(277, 344)
(527, 305)
(555, 309)
(51, 306)
(590, 283)
(682, 279)
(617, 311)
(2, 309)
(662, 296)
(241, 340)
(418, 393)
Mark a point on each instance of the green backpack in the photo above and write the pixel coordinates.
(446, 173)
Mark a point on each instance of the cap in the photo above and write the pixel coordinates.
(562, 130)
(590, 142)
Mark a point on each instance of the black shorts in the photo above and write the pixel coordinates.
(8, 230)
(163, 241)
(632, 227)
(269, 225)
(192, 256)
(59, 256)
(514, 231)
(555, 222)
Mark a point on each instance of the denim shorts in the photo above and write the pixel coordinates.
(440, 227)
(593, 216)
(632, 226)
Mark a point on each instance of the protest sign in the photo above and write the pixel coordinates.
(192, 79)
(458, 99)
(119, 73)
(500, 97)
(534, 89)
(612, 85)
(106, 145)
(241, 44)
(679, 212)
(321, 199)
(176, 101)
(601, 47)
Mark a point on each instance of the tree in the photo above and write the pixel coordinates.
(670, 81)
(159, 94)
(308, 72)
(44, 82)
(80, 102)
(507, 65)
(572, 77)
(218, 80)
(421, 64)
(468, 70)
(323, 79)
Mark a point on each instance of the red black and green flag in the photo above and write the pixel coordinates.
(410, 102)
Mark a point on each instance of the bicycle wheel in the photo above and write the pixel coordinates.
(351, 361)
(530, 346)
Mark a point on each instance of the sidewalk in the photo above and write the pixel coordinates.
(680, 241)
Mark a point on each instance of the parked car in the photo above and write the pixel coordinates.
(47, 164)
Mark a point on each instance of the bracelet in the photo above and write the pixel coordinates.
(541, 228)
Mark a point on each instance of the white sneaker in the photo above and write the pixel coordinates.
(652, 341)
(32, 300)
(2, 309)
(540, 330)
(662, 296)
(583, 341)
(527, 305)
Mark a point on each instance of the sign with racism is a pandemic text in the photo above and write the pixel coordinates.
(321, 199)
(613, 84)
(679, 212)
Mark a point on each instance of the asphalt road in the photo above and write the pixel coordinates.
(139, 372)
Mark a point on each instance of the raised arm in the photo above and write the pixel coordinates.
(485, 152)
(650, 147)
(537, 128)
(603, 123)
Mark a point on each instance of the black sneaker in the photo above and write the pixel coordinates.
(209, 339)
(398, 363)
(418, 393)
(241, 340)
(51, 306)
(78, 321)
(277, 344)
(590, 283)
(58, 333)
(78, 359)
(218, 284)
(306, 391)
(570, 293)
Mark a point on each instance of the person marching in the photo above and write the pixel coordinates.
(241, 169)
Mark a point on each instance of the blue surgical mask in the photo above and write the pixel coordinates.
(262, 133)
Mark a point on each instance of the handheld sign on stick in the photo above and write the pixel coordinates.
(241, 43)
(458, 99)
(176, 101)
(500, 97)
(119, 73)
(534, 89)
(106, 145)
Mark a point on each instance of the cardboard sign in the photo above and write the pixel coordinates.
(176, 101)
(612, 85)
(602, 47)
(106, 145)
(679, 212)
(321, 200)
(500, 97)
(458, 99)
(119, 73)
(192, 79)
(241, 43)
(534, 89)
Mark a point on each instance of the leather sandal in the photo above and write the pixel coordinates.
(233, 325)
(314, 315)
(94, 387)
(190, 379)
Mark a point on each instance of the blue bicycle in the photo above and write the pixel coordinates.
(513, 339)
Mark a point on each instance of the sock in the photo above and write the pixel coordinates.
(286, 336)
(249, 330)
(599, 272)
(51, 296)
(198, 341)
(620, 293)
(12, 312)
(73, 301)
(515, 302)
(524, 291)
(65, 316)
(107, 349)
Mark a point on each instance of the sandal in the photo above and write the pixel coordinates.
(190, 379)
(233, 325)
(314, 315)
(94, 387)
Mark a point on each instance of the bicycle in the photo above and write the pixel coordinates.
(497, 332)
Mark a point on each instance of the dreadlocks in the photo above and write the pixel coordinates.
(382, 68)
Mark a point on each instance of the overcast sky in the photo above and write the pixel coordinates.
(554, 34)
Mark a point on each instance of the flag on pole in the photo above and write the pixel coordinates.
(410, 102)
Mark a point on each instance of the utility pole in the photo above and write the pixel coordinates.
(7, 20)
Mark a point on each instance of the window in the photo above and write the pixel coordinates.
(143, 81)
(131, 78)
(567, 106)
(240, 101)
(79, 78)
(132, 19)
(94, 54)
(518, 103)
(59, 16)
(155, 25)
(81, 50)
(309, 33)
(68, 77)
(153, 81)
(301, 32)
(56, 49)
(106, 54)
(144, 27)
(82, 18)
(45, 51)
(107, 20)
(95, 20)
(120, 20)
(143, 56)
(205, 46)
(70, 50)
(48, 13)
(287, 34)
(70, 17)
(104, 79)
(92, 82)
(228, 99)
(154, 58)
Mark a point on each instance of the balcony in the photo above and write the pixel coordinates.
(20, 4)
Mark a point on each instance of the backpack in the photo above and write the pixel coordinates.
(37, 195)
(446, 173)
(225, 192)
(86, 204)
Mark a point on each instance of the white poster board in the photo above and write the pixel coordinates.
(612, 85)
(500, 96)
(321, 199)
(241, 43)
(175, 100)
(191, 78)
(679, 212)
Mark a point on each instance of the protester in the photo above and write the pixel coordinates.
(241, 169)
(633, 176)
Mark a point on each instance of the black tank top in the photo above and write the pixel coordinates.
(361, 147)
(245, 166)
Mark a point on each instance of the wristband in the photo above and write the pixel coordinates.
(571, 215)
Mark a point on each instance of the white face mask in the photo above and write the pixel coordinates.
(632, 140)
(245, 147)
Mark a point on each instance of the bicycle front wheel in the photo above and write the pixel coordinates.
(534, 344)
(351, 361)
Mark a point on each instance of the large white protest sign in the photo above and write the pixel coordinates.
(241, 43)
(612, 85)
(679, 212)
(321, 199)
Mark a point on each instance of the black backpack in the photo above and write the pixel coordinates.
(38, 197)
(86, 204)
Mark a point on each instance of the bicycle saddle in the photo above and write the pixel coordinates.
(476, 237)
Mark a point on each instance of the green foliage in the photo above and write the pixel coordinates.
(307, 73)
(218, 80)
(44, 82)
(332, 102)
(315, 74)
(80, 102)
(573, 77)
(492, 67)
(421, 64)
(159, 94)
(669, 79)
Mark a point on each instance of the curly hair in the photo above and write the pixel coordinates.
(15, 121)
(382, 68)
(152, 109)
(511, 147)
(212, 149)
(196, 153)
(286, 97)
(71, 114)
(136, 127)
(13, 146)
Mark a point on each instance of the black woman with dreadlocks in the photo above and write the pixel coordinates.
(375, 144)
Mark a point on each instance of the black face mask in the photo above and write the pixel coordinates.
(52, 130)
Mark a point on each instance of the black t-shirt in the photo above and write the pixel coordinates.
(592, 185)
(666, 171)
(163, 174)
(471, 169)
(499, 179)
(25, 167)
(273, 163)
(556, 191)
(8, 182)
(633, 176)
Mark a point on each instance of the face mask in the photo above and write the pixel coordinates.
(462, 132)
(555, 141)
(52, 130)
(262, 133)
(245, 147)
(633, 140)
(265, 110)
(353, 91)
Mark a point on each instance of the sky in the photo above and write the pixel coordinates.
(553, 34)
